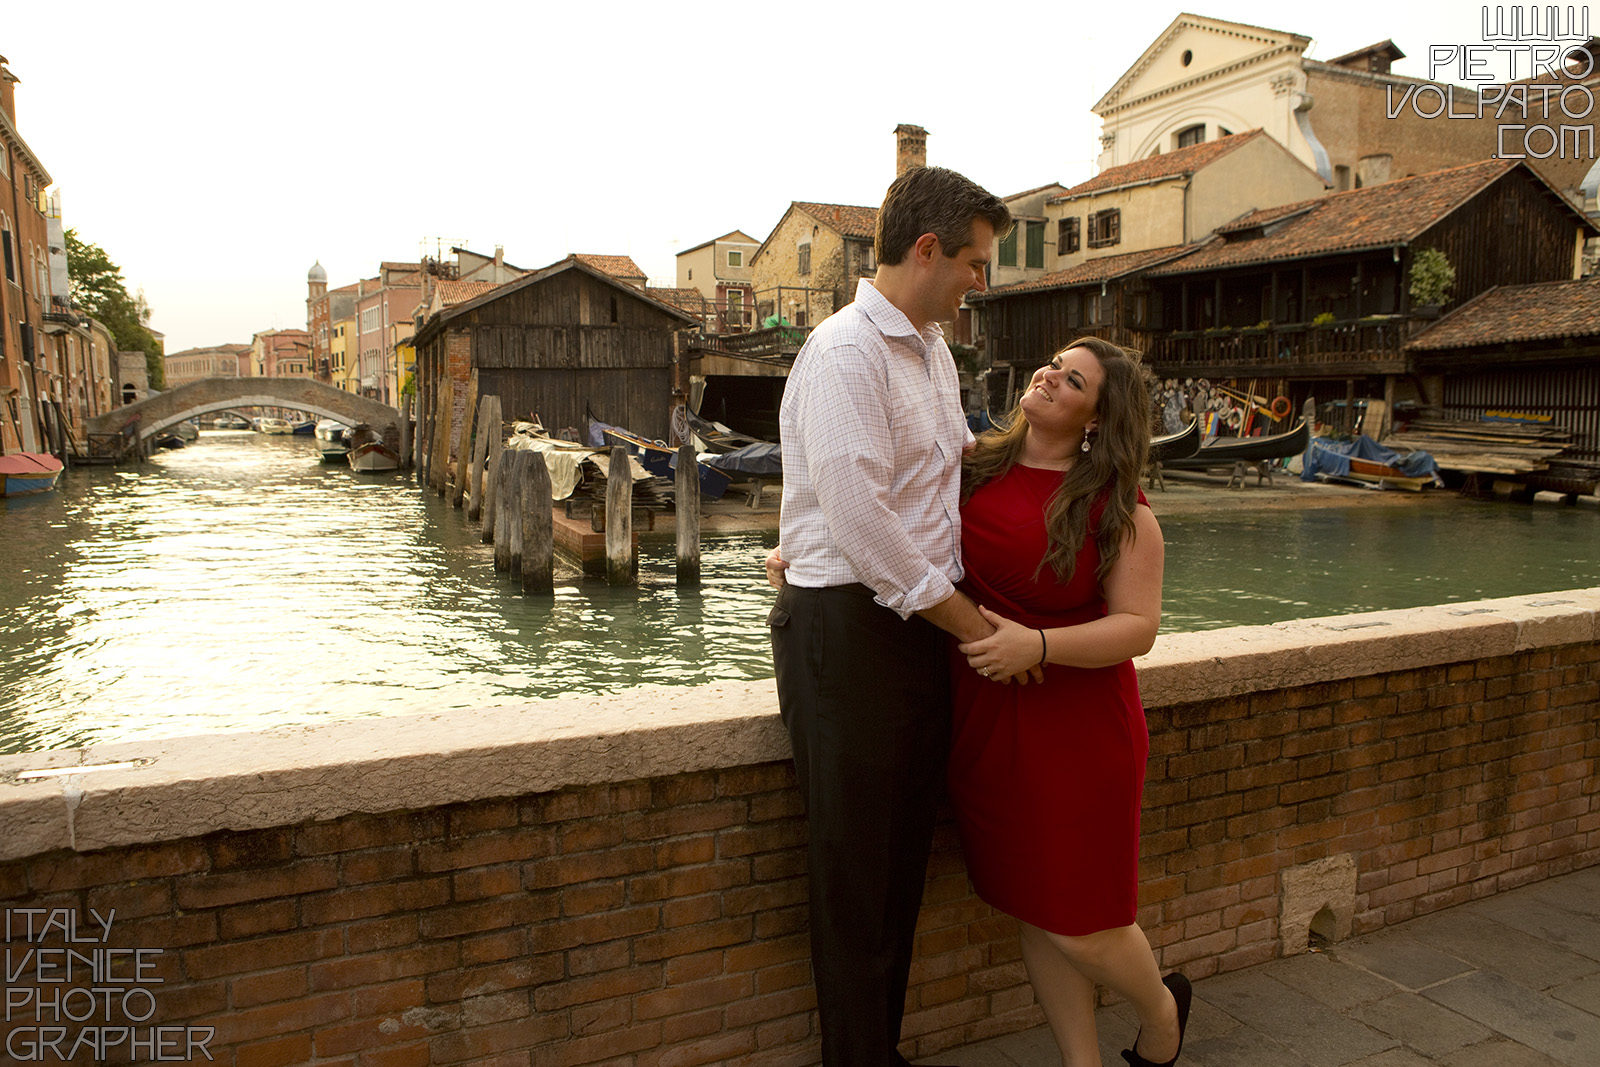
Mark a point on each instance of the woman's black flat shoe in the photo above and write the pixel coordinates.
(1182, 994)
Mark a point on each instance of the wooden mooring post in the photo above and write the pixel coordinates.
(686, 502)
(458, 484)
(491, 467)
(622, 564)
(499, 527)
(439, 464)
(488, 423)
(538, 526)
(511, 506)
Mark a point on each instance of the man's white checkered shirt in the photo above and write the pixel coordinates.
(872, 434)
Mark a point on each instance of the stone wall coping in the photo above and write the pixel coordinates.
(138, 792)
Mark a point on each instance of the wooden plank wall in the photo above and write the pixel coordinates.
(1512, 233)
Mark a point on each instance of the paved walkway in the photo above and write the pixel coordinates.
(1510, 981)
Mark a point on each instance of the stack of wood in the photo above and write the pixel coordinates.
(1477, 446)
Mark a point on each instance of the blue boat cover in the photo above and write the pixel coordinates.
(760, 458)
(1327, 456)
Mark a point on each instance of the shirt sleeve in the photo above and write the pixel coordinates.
(850, 457)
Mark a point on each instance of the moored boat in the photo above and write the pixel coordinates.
(22, 473)
(715, 437)
(662, 460)
(333, 440)
(276, 426)
(369, 453)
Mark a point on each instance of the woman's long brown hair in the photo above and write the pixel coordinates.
(1119, 448)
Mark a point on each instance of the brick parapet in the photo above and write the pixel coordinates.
(612, 880)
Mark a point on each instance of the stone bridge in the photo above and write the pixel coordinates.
(157, 412)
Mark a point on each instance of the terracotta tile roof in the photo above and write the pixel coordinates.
(1089, 272)
(1377, 216)
(1166, 165)
(848, 219)
(452, 293)
(691, 300)
(1512, 313)
(616, 266)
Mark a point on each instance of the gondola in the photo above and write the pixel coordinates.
(1180, 445)
(1226, 451)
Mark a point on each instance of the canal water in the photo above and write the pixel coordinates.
(239, 584)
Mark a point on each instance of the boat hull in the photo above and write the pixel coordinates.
(27, 473)
(373, 456)
(1224, 451)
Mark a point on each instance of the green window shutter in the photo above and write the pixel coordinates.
(1008, 249)
(1035, 248)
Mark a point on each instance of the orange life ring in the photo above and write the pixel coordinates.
(1281, 407)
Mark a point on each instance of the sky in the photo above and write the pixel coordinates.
(217, 152)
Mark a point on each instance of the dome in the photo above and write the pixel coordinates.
(316, 273)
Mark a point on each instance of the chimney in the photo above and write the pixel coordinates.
(1373, 169)
(8, 92)
(499, 255)
(910, 148)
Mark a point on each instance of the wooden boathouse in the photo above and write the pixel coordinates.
(553, 345)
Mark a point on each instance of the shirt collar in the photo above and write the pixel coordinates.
(884, 315)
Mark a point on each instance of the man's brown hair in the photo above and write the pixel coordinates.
(937, 201)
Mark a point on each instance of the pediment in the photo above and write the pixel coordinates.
(1212, 46)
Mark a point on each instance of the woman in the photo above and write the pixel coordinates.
(1064, 556)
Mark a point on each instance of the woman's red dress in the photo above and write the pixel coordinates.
(1046, 778)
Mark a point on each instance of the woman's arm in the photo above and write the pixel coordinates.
(1133, 614)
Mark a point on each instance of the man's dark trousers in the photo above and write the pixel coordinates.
(865, 697)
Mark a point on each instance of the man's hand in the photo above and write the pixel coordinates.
(776, 565)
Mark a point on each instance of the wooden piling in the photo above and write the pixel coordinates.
(405, 434)
(499, 527)
(511, 507)
(464, 443)
(480, 450)
(622, 565)
(439, 466)
(686, 501)
(491, 467)
(538, 526)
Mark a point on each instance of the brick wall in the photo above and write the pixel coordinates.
(660, 920)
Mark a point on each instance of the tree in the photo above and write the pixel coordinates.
(98, 289)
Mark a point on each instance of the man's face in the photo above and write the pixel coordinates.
(956, 276)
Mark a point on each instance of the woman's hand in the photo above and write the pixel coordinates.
(776, 565)
(1011, 653)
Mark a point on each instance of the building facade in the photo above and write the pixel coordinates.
(193, 364)
(722, 272)
(32, 376)
(1204, 78)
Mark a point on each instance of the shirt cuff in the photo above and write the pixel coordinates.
(933, 589)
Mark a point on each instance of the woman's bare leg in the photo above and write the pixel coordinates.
(1066, 996)
(1120, 959)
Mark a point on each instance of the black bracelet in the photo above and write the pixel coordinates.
(1044, 649)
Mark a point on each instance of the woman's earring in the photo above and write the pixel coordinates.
(1085, 446)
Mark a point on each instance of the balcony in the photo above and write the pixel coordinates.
(1340, 348)
(765, 344)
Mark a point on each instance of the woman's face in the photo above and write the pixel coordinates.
(1063, 396)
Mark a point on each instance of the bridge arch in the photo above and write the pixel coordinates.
(157, 412)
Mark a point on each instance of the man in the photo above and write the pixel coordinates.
(872, 434)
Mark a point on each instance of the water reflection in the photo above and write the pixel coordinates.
(239, 584)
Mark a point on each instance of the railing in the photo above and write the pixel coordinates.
(772, 341)
(1282, 346)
